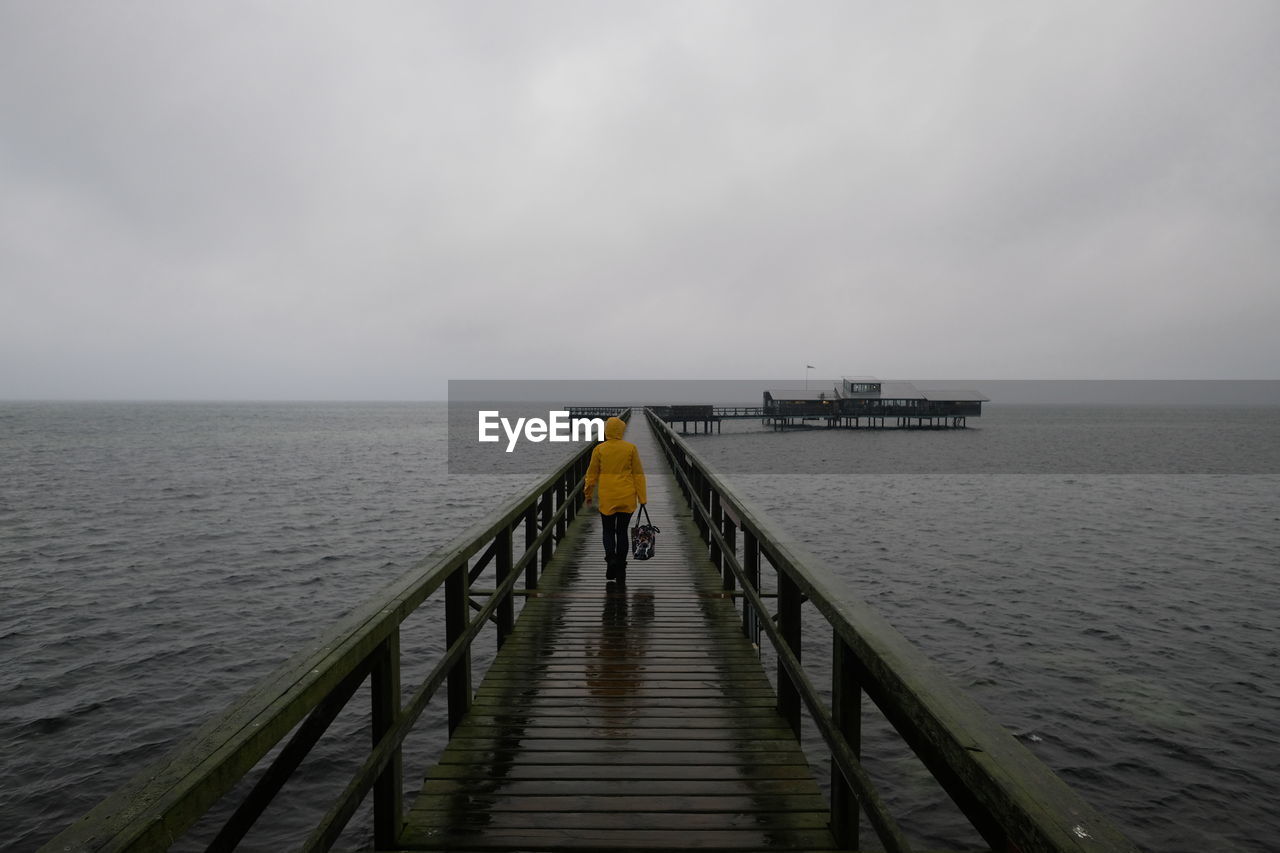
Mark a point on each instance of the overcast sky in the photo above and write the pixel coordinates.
(321, 200)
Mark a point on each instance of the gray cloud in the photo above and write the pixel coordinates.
(362, 201)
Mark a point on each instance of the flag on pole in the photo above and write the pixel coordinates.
(810, 367)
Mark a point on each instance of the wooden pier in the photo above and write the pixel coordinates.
(624, 717)
(632, 717)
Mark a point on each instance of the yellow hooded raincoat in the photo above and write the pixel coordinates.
(615, 465)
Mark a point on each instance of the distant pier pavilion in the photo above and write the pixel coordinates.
(866, 403)
(855, 403)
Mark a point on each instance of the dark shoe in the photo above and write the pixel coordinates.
(611, 573)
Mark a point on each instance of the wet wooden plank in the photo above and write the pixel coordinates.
(576, 716)
(664, 803)
(618, 705)
(695, 667)
(633, 820)
(533, 788)
(624, 718)
(635, 690)
(516, 771)
(618, 838)
(634, 732)
(615, 737)
(501, 760)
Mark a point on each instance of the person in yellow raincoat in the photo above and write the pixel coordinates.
(615, 467)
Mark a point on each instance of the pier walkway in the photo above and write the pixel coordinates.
(633, 717)
(624, 717)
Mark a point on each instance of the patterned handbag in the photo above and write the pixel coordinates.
(644, 537)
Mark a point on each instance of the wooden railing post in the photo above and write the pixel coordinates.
(846, 713)
(730, 532)
(717, 523)
(700, 499)
(530, 536)
(705, 496)
(751, 569)
(789, 628)
(548, 546)
(457, 615)
(388, 795)
(561, 492)
(694, 491)
(679, 458)
(506, 613)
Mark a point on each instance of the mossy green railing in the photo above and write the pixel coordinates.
(1012, 799)
(304, 695)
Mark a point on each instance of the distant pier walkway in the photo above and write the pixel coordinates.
(625, 717)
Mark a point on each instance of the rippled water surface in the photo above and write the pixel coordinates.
(158, 559)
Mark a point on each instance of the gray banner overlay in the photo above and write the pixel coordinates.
(1059, 427)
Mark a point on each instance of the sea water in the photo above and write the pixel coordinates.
(156, 560)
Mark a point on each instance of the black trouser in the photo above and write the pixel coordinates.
(616, 541)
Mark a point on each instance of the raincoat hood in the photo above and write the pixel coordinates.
(615, 467)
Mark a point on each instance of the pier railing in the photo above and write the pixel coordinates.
(738, 411)
(1012, 799)
(306, 694)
